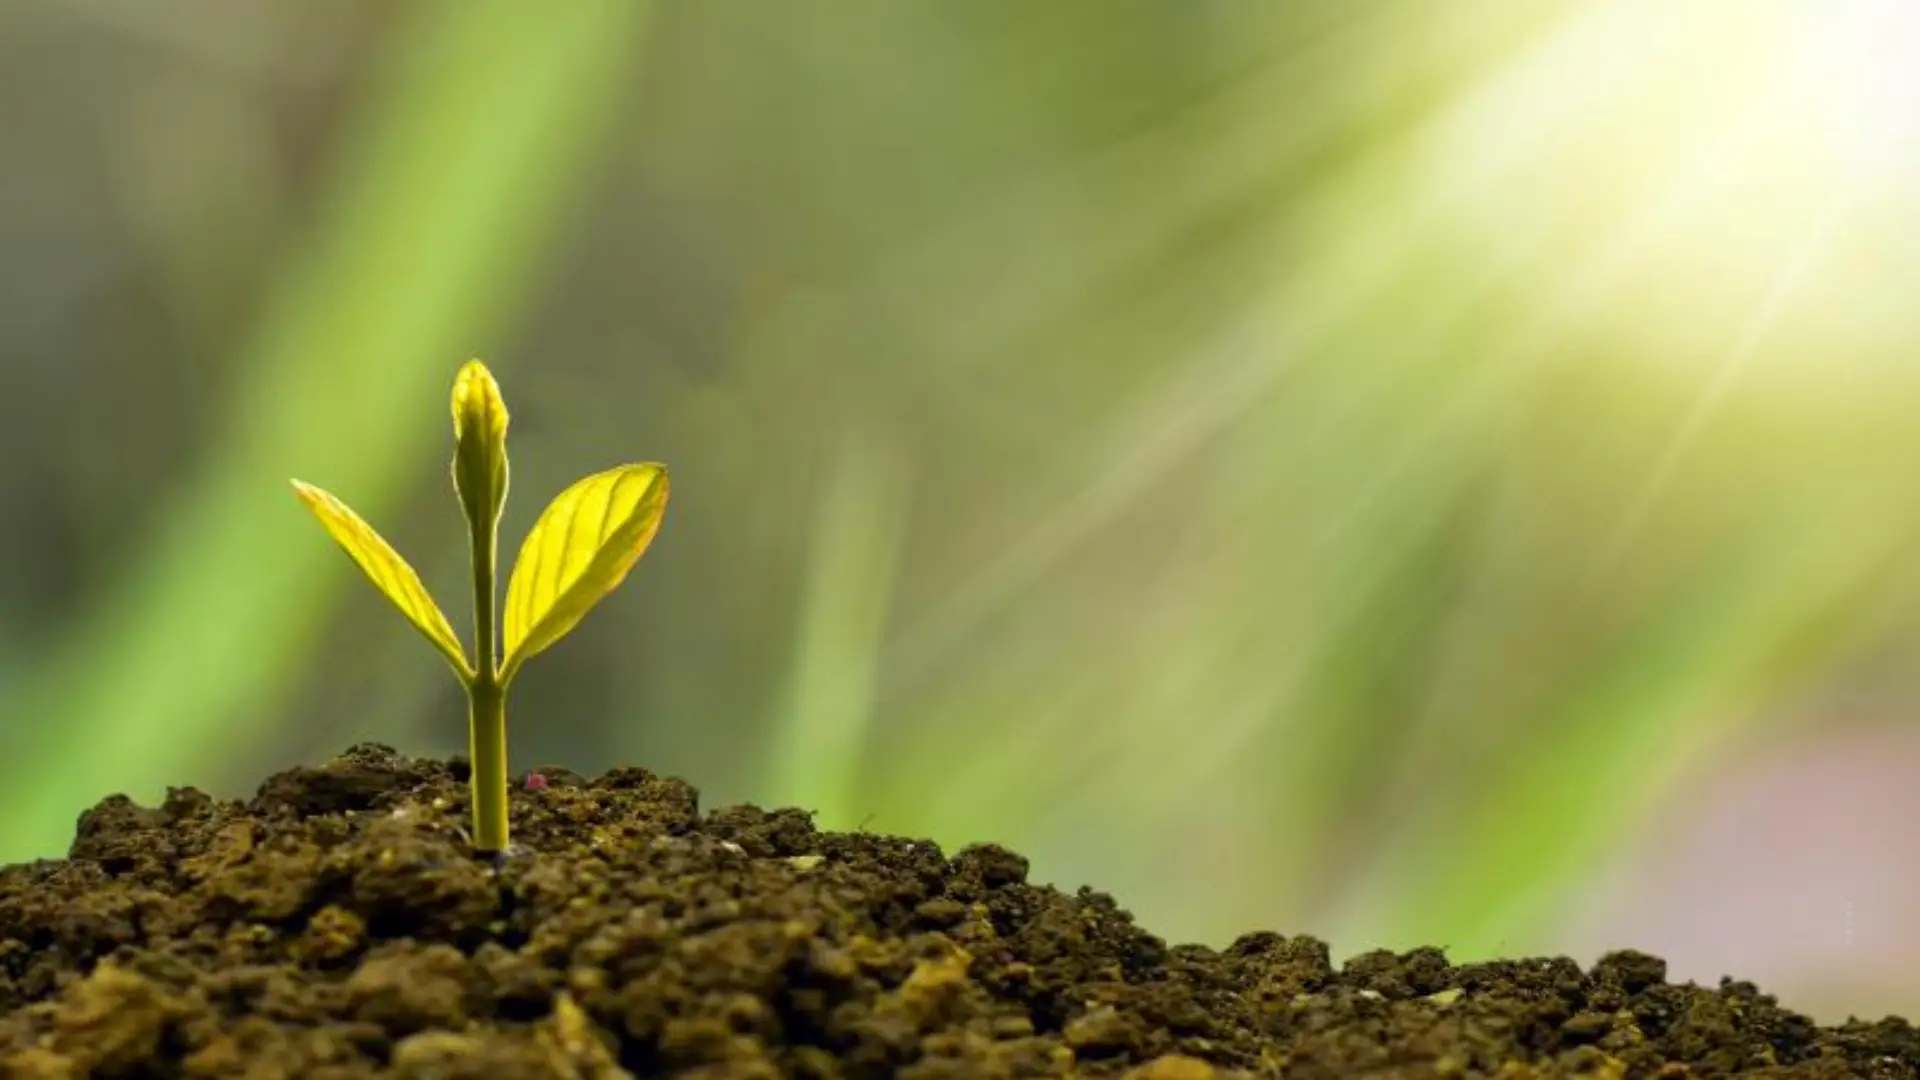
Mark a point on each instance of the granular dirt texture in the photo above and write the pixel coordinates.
(340, 925)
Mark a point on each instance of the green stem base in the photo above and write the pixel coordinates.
(487, 748)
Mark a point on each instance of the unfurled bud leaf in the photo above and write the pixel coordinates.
(578, 552)
(480, 445)
(388, 571)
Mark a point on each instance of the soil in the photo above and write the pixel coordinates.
(340, 925)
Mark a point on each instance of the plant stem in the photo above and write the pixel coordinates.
(487, 748)
(487, 699)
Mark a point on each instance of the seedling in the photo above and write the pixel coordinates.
(578, 552)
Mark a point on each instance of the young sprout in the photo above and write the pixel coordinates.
(578, 552)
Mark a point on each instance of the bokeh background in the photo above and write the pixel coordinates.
(1406, 472)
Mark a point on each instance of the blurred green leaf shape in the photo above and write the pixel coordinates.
(579, 551)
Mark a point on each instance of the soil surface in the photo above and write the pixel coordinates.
(339, 925)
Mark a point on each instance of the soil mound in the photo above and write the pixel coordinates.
(339, 926)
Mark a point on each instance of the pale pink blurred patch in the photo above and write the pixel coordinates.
(1797, 868)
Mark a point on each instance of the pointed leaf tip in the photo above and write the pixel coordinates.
(579, 551)
(477, 402)
(390, 573)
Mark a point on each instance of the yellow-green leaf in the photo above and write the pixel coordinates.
(387, 570)
(480, 445)
(578, 552)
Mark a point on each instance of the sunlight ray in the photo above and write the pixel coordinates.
(1240, 368)
(1786, 281)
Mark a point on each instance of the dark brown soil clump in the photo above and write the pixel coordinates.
(339, 925)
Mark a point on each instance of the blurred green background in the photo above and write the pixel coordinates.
(1400, 471)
